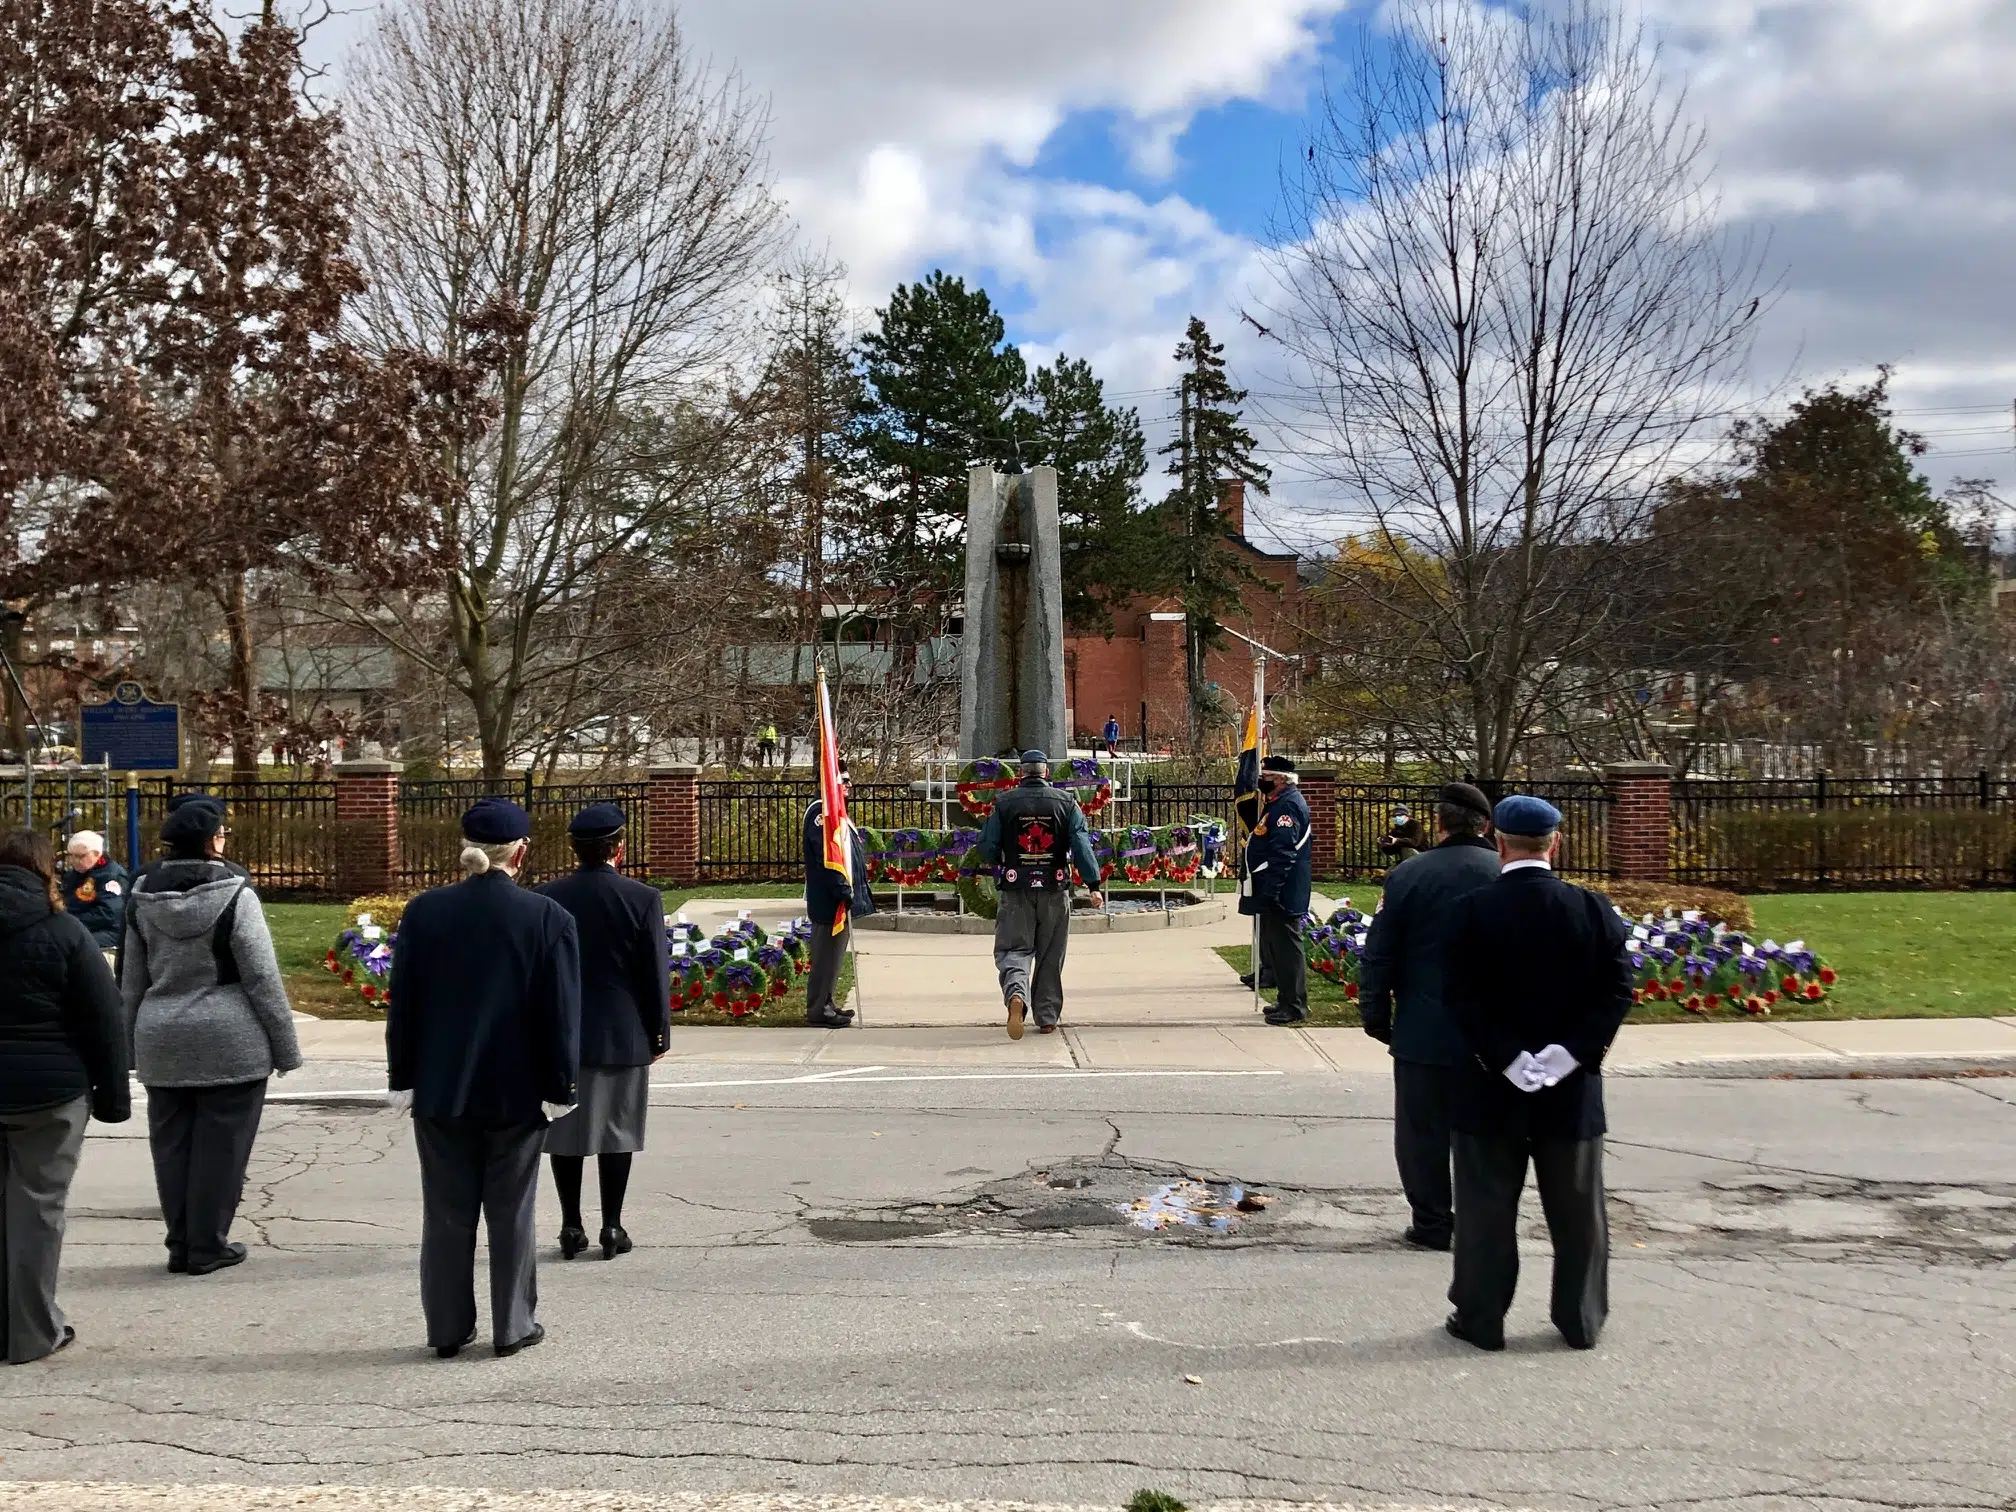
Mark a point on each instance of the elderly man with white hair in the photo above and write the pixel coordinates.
(483, 1047)
(94, 888)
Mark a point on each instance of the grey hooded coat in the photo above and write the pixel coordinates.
(186, 1027)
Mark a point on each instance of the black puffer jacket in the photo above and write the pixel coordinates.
(62, 1033)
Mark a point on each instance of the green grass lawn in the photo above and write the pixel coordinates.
(1900, 955)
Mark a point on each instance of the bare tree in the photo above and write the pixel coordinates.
(564, 177)
(1511, 305)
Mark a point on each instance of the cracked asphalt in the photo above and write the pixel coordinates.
(927, 1286)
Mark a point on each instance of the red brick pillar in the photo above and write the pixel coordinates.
(1319, 790)
(1641, 820)
(672, 827)
(1165, 679)
(367, 827)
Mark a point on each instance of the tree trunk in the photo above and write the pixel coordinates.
(243, 680)
(13, 629)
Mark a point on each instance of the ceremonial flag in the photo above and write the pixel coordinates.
(1246, 784)
(839, 850)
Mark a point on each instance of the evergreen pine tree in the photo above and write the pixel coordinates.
(1212, 446)
(1112, 546)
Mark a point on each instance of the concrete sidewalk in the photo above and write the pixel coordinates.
(1882, 1047)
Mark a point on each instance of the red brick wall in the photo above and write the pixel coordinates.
(367, 827)
(1104, 677)
(1165, 686)
(672, 829)
(1319, 791)
(1641, 820)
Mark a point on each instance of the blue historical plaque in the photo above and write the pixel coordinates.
(132, 733)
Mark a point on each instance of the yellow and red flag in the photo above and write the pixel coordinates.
(839, 835)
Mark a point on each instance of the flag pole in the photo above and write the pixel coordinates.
(1259, 755)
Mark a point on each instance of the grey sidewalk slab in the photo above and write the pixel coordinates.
(1249, 1047)
(1640, 1045)
(1908, 1036)
(942, 1047)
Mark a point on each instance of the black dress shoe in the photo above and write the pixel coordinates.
(449, 1351)
(1458, 1331)
(1281, 1020)
(830, 1017)
(65, 1339)
(1420, 1240)
(234, 1254)
(572, 1242)
(178, 1262)
(615, 1242)
(538, 1333)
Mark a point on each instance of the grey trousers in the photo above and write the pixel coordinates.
(1031, 931)
(41, 1156)
(828, 951)
(202, 1142)
(1421, 1094)
(465, 1168)
(1490, 1174)
(1281, 958)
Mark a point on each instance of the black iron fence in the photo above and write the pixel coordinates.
(430, 828)
(1834, 832)
(1366, 812)
(283, 832)
(753, 831)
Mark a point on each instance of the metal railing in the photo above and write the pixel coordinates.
(283, 832)
(430, 822)
(1365, 815)
(1822, 832)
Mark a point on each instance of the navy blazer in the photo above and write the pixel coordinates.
(825, 893)
(483, 1019)
(626, 982)
(1404, 951)
(1534, 961)
(1277, 858)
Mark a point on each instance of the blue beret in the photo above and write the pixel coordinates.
(1035, 758)
(596, 821)
(496, 821)
(1523, 814)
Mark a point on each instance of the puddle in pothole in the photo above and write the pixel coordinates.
(1192, 1205)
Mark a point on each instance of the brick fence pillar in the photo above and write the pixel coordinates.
(367, 827)
(672, 828)
(1641, 820)
(1319, 789)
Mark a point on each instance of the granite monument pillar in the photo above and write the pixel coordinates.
(1011, 654)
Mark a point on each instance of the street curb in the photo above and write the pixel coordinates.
(1824, 1067)
(98, 1496)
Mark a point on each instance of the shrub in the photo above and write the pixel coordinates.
(1662, 898)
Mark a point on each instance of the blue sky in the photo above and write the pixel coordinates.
(1107, 167)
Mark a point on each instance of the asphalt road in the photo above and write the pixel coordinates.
(936, 1285)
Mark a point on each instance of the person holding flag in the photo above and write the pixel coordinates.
(1277, 887)
(836, 876)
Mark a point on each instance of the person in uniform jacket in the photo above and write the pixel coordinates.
(626, 1024)
(1400, 1000)
(94, 888)
(1537, 980)
(1277, 888)
(830, 899)
(1034, 835)
(483, 1047)
(62, 1062)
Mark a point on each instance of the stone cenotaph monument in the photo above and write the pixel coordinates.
(1011, 655)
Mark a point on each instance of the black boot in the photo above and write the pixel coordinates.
(572, 1242)
(615, 1242)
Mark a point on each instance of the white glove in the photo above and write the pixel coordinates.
(1525, 1073)
(555, 1111)
(1555, 1063)
(400, 1102)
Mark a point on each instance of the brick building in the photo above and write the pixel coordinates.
(1136, 673)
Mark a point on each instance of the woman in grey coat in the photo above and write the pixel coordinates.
(209, 1023)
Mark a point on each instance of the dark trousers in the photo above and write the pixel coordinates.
(829, 950)
(40, 1154)
(466, 1169)
(1490, 1175)
(1421, 1094)
(1281, 959)
(202, 1141)
(1031, 931)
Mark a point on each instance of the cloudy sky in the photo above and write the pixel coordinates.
(1106, 167)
